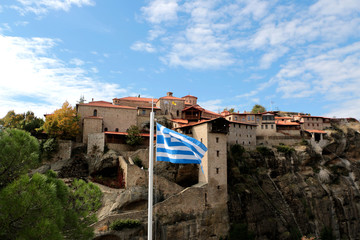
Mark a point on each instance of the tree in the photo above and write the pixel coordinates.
(19, 152)
(43, 207)
(25, 121)
(231, 110)
(258, 109)
(63, 123)
(133, 138)
(81, 100)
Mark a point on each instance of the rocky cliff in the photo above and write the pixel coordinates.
(281, 192)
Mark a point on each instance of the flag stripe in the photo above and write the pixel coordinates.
(177, 148)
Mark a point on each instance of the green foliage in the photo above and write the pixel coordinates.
(326, 234)
(43, 207)
(63, 123)
(295, 233)
(120, 224)
(265, 151)
(231, 110)
(25, 121)
(138, 162)
(19, 152)
(258, 109)
(49, 147)
(240, 231)
(133, 138)
(285, 149)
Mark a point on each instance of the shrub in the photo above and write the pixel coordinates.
(265, 151)
(49, 147)
(120, 224)
(285, 149)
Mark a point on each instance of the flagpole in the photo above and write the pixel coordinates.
(151, 161)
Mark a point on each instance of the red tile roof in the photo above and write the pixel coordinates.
(314, 131)
(140, 99)
(283, 123)
(190, 96)
(94, 117)
(105, 104)
(179, 120)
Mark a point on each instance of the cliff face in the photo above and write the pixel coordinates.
(285, 193)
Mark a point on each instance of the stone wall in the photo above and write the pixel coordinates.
(96, 142)
(65, 148)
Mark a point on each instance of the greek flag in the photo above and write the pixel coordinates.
(174, 147)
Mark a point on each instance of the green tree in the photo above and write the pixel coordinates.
(258, 109)
(133, 138)
(63, 123)
(231, 110)
(25, 121)
(19, 152)
(43, 207)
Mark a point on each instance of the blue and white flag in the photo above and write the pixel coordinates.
(174, 147)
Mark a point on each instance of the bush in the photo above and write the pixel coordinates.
(120, 224)
(265, 151)
(285, 149)
(49, 147)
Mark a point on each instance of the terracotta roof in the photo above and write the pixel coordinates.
(311, 116)
(105, 104)
(314, 131)
(194, 106)
(155, 108)
(213, 113)
(195, 123)
(125, 133)
(140, 99)
(190, 96)
(179, 120)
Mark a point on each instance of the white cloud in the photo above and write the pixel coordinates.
(141, 46)
(32, 77)
(77, 62)
(161, 11)
(41, 7)
(212, 105)
(4, 27)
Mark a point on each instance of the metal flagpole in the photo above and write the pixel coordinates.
(151, 161)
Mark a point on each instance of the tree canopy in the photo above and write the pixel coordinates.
(25, 121)
(63, 123)
(43, 207)
(258, 109)
(133, 138)
(19, 152)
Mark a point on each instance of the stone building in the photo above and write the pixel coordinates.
(242, 133)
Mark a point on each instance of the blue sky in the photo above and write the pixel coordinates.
(285, 55)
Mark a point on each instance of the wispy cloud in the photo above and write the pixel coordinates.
(41, 7)
(77, 62)
(141, 46)
(161, 11)
(32, 77)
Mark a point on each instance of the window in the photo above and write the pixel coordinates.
(236, 141)
(217, 153)
(217, 140)
(252, 118)
(235, 118)
(143, 112)
(234, 125)
(200, 139)
(218, 187)
(217, 170)
(105, 129)
(239, 126)
(266, 126)
(177, 113)
(230, 118)
(249, 143)
(262, 126)
(116, 130)
(243, 119)
(272, 126)
(95, 113)
(248, 118)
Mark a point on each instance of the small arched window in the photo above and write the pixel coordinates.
(116, 130)
(105, 129)
(95, 113)
(177, 113)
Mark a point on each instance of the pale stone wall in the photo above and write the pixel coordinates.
(242, 134)
(168, 107)
(91, 125)
(131, 103)
(266, 129)
(133, 175)
(65, 148)
(113, 117)
(96, 141)
(214, 163)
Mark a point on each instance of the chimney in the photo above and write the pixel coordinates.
(92, 99)
(169, 94)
